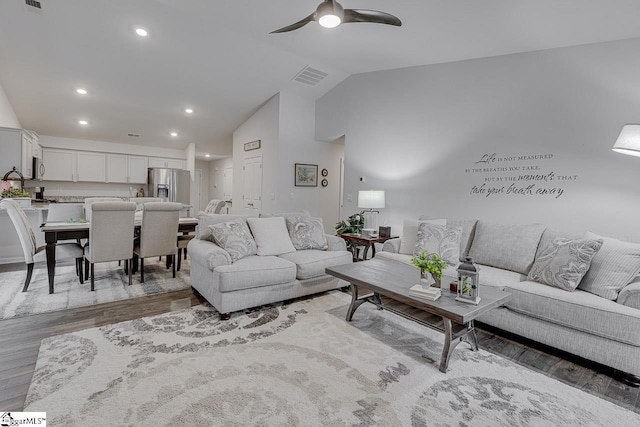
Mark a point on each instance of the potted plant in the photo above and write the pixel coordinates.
(353, 224)
(429, 263)
(22, 197)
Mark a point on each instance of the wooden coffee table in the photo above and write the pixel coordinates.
(393, 280)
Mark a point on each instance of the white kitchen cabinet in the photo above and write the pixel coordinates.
(129, 169)
(160, 162)
(70, 165)
(19, 147)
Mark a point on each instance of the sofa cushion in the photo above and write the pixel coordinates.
(550, 236)
(468, 227)
(630, 294)
(203, 231)
(612, 268)
(497, 277)
(578, 310)
(511, 247)
(254, 271)
(271, 235)
(564, 263)
(312, 262)
(440, 239)
(235, 238)
(306, 232)
(410, 233)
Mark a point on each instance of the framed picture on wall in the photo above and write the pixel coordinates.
(306, 175)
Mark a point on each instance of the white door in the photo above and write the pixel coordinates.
(252, 185)
(228, 183)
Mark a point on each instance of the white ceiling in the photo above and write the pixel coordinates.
(218, 57)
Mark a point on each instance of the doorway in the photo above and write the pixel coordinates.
(252, 185)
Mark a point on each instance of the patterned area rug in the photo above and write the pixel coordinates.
(291, 365)
(111, 284)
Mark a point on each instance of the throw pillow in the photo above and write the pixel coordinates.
(307, 233)
(272, 237)
(235, 238)
(410, 233)
(440, 239)
(564, 263)
(614, 267)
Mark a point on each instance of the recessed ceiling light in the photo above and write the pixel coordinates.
(207, 155)
(174, 133)
(83, 122)
(188, 110)
(141, 32)
(81, 91)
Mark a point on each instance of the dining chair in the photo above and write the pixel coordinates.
(183, 241)
(111, 233)
(90, 200)
(215, 206)
(61, 212)
(158, 233)
(30, 249)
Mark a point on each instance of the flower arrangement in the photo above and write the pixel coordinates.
(8, 191)
(430, 263)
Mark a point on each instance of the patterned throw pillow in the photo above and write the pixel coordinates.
(234, 237)
(307, 233)
(440, 239)
(564, 263)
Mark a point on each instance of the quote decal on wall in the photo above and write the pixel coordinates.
(521, 175)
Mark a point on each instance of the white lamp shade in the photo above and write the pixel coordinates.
(371, 199)
(628, 141)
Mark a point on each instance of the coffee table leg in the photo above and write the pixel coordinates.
(451, 340)
(355, 302)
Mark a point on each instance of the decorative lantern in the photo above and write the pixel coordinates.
(468, 282)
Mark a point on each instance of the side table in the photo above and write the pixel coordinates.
(366, 241)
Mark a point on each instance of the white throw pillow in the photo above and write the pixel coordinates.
(410, 233)
(440, 239)
(271, 235)
(306, 233)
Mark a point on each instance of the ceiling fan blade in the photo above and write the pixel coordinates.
(374, 16)
(301, 23)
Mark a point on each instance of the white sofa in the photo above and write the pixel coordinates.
(257, 280)
(606, 331)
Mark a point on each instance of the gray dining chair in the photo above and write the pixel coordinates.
(61, 212)
(33, 253)
(158, 233)
(140, 201)
(90, 200)
(110, 235)
(215, 206)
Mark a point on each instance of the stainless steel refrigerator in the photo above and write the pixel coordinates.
(171, 185)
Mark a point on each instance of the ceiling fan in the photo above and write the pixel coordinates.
(330, 14)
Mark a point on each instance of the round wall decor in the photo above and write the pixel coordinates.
(325, 172)
(325, 182)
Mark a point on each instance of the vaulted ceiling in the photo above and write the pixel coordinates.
(218, 58)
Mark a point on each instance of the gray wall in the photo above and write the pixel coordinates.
(422, 134)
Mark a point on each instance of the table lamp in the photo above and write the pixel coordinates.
(371, 201)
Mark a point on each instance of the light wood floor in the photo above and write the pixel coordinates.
(20, 340)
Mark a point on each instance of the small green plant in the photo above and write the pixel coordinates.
(466, 287)
(15, 192)
(431, 263)
(353, 224)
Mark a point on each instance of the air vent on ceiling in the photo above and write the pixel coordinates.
(134, 135)
(33, 3)
(310, 76)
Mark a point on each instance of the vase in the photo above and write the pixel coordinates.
(426, 279)
(437, 284)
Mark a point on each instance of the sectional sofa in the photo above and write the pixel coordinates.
(276, 270)
(598, 321)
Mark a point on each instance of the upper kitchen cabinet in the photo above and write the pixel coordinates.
(19, 147)
(159, 162)
(77, 166)
(126, 169)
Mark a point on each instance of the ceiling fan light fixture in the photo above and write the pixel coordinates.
(329, 14)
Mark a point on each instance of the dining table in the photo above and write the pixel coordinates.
(58, 231)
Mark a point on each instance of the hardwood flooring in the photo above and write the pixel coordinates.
(20, 340)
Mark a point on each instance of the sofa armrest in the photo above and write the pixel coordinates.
(392, 245)
(336, 243)
(208, 254)
(630, 294)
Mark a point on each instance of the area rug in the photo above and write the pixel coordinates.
(111, 284)
(293, 365)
